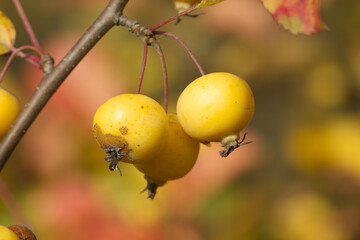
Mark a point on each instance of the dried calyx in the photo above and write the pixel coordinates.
(23, 232)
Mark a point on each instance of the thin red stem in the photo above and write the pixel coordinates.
(30, 58)
(10, 203)
(27, 24)
(163, 64)
(173, 18)
(12, 56)
(142, 69)
(186, 48)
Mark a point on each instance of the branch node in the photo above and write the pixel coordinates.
(47, 63)
(142, 32)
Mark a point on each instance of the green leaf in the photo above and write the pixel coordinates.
(205, 3)
(297, 16)
(7, 33)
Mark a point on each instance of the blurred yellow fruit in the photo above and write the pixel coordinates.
(306, 147)
(329, 145)
(9, 109)
(306, 216)
(325, 86)
(343, 137)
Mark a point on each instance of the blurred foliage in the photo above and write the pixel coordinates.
(300, 179)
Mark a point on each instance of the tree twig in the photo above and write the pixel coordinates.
(156, 45)
(51, 81)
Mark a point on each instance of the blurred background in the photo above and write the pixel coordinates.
(299, 179)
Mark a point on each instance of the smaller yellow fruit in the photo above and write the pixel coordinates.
(9, 110)
(175, 160)
(177, 157)
(7, 234)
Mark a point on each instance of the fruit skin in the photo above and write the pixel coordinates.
(9, 110)
(215, 108)
(177, 157)
(130, 128)
(7, 234)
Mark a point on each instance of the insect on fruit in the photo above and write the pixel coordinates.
(9, 110)
(215, 108)
(130, 128)
(174, 161)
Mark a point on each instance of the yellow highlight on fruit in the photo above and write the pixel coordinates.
(9, 110)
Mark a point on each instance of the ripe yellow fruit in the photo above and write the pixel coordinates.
(182, 5)
(9, 110)
(7, 234)
(131, 128)
(215, 108)
(177, 157)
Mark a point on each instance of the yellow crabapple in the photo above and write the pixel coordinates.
(9, 110)
(174, 161)
(7, 234)
(215, 108)
(130, 128)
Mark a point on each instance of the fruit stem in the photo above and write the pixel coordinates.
(173, 18)
(30, 58)
(186, 48)
(13, 54)
(162, 58)
(142, 68)
(27, 24)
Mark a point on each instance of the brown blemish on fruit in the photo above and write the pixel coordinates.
(123, 130)
(115, 147)
(142, 107)
(108, 140)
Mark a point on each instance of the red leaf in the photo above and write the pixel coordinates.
(297, 16)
